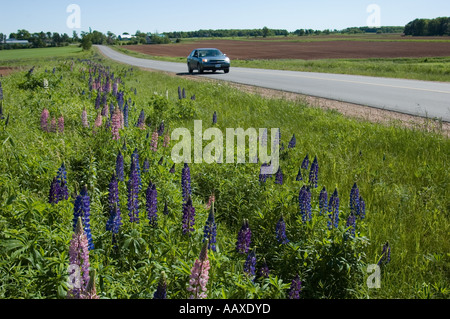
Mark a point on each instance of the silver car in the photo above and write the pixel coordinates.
(208, 59)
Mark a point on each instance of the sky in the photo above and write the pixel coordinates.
(176, 15)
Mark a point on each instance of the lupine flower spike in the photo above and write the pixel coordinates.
(244, 238)
(210, 230)
(161, 290)
(250, 264)
(295, 289)
(385, 255)
(280, 231)
(293, 142)
(45, 115)
(79, 260)
(188, 217)
(152, 204)
(199, 275)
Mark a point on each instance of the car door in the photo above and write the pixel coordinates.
(193, 61)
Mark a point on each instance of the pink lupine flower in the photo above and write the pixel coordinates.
(84, 119)
(166, 141)
(154, 144)
(44, 120)
(200, 275)
(212, 199)
(53, 126)
(116, 124)
(98, 120)
(61, 124)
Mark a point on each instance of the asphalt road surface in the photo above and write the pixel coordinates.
(419, 98)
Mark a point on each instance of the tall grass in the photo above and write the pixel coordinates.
(402, 173)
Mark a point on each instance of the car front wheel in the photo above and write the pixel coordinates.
(226, 70)
(200, 68)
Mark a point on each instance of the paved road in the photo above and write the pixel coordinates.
(419, 98)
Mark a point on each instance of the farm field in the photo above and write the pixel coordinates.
(421, 60)
(67, 124)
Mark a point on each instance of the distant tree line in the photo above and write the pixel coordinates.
(225, 33)
(428, 27)
(37, 39)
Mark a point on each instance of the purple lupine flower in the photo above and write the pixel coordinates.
(210, 230)
(84, 119)
(323, 201)
(115, 88)
(354, 199)
(1, 113)
(161, 290)
(141, 120)
(188, 217)
(61, 177)
(166, 141)
(152, 204)
(119, 167)
(53, 197)
(199, 275)
(263, 177)
(186, 182)
(295, 289)
(79, 256)
(179, 93)
(244, 238)
(215, 118)
(45, 115)
(183, 94)
(314, 173)
(166, 209)
(292, 142)
(62, 174)
(133, 194)
(86, 213)
(385, 255)
(61, 124)
(193, 97)
(333, 210)
(135, 166)
(98, 101)
(146, 166)
(161, 129)
(279, 176)
(172, 169)
(351, 225)
(361, 208)
(304, 199)
(115, 220)
(250, 264)
(305, 163)
(125, 115)
(280, 231)
(120, 99)
(264, 271)
(299, 175)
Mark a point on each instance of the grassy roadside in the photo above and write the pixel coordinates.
(20, 55)
(426, 69)
(403, 175)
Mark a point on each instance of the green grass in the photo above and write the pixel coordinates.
(426, 69)
(27, 54)
(403, 175)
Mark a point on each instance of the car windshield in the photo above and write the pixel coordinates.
(203, 53)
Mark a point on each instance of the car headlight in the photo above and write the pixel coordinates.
(205, 60)
(227, 60)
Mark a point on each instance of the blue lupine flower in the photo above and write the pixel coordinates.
(244, 238)
(250, 264)
(279, 176)
(314, 173)
(299, 175)
(161, 290)
(53, 197)
(135, 166)
(82, 209)
(115, 220)
(305, 163)
(161, 129)
(146, 167)
(292, 142)
(188, 217)
(354, 199)
(361, 208)
(119, 167)
(264, 271)
(98, 100)
(385, 255)
(304, 198)
(323, 201)
(186, 182)
(280, 231)
(179, 93)
(152, 204)
(215, 118)
(141, 120)
(333, 210)
(210, 230)
(351, 225)
(295, 289)
(126, 112)
(133, 194)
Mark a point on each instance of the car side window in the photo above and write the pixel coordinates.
(195, 54)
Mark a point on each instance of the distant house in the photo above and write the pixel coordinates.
(126, 37)
(14, 41)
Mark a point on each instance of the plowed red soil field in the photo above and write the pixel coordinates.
(248, 50)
